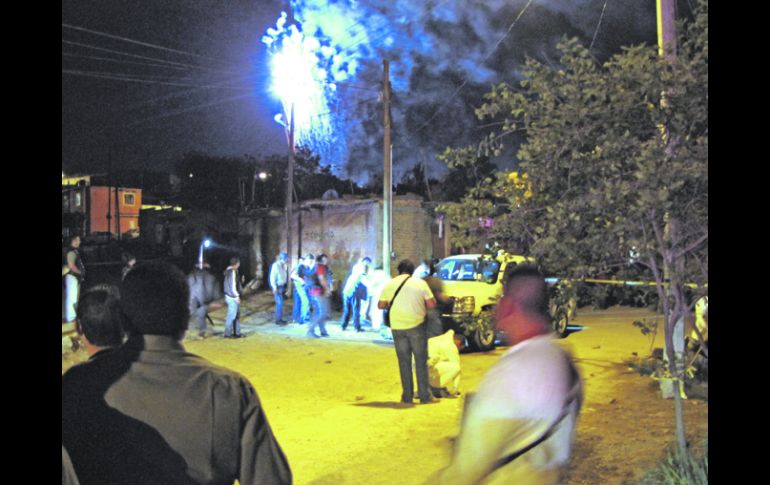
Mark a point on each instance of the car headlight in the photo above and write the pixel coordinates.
(466, 304)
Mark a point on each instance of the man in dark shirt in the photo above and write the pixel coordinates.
(203, 291)
(233, 291)
(149, 412)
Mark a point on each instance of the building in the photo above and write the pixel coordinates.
(346, 230)
(90, 207)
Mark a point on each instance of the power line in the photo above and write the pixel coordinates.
(133, 41)
(122, 53)
(465, 81)
(122, 61)
(193, 108)
(136, 79)
(596, 31)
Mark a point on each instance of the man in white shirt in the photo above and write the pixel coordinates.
(520, 424)
(278, 279)
(408, 300)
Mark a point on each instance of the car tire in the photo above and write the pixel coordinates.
(483, 339)
(561, 323)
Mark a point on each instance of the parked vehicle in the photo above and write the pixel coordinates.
(475, 283)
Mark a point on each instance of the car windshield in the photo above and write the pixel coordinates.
(467, 269)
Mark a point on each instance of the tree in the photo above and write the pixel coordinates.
(617, 155)
(211, 183)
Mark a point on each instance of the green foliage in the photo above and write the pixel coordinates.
(677, 468)
(617, 155)
(604, 178)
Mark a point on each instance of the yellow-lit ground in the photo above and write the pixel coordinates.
(332, 402)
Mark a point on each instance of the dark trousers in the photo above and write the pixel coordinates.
(411, 342)
(351, 308)
(320, 314)
(278, 295)
(198, 318)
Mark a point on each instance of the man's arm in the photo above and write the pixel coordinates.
(273, 276)
(483, 441)
(262, 459)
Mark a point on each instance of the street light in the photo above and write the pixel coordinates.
(263, 177)
(205, 244)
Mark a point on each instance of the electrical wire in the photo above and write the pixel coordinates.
(133, 41)
(596, 31)
(137, 56)
(135, 79)
(465, 81)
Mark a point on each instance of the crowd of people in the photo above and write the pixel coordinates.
(132, 412)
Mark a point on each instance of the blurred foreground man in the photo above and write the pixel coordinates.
(100, 319)
(520, 425)
(151, 413)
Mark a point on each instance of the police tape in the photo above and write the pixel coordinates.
(618, 282)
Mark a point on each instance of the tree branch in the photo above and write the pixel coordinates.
(692, 246)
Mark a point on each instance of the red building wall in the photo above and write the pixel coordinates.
(102, 200)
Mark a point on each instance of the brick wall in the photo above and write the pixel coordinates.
(345, 230)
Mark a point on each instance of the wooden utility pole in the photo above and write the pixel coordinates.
(387, 178)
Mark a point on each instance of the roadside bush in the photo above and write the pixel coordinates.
(691, 469)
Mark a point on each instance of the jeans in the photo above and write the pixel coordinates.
(321, 309)
(351, 306)
(73, 288)
(232, 326)
(412, 342)
(278, 295)
(198, 318)
(301, 312)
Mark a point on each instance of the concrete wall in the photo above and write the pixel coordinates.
(343, 229)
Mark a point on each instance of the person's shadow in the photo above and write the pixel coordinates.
(129, 451)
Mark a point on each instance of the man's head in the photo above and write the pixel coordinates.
(283, 256)
(235, 261)
(100, 319)
(406, 267)
(309, 260)
(526, 287)
(155, 298)
(322, 259)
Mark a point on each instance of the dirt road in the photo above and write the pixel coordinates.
(332, 402)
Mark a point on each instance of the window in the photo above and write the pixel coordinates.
(128, 199)
(467, 269)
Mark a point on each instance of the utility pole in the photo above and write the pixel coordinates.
(290, 186)
(387, 178)
(666, 18)
(674, 338)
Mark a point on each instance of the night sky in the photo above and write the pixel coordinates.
(199, 80)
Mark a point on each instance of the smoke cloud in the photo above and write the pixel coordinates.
(444, 55)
